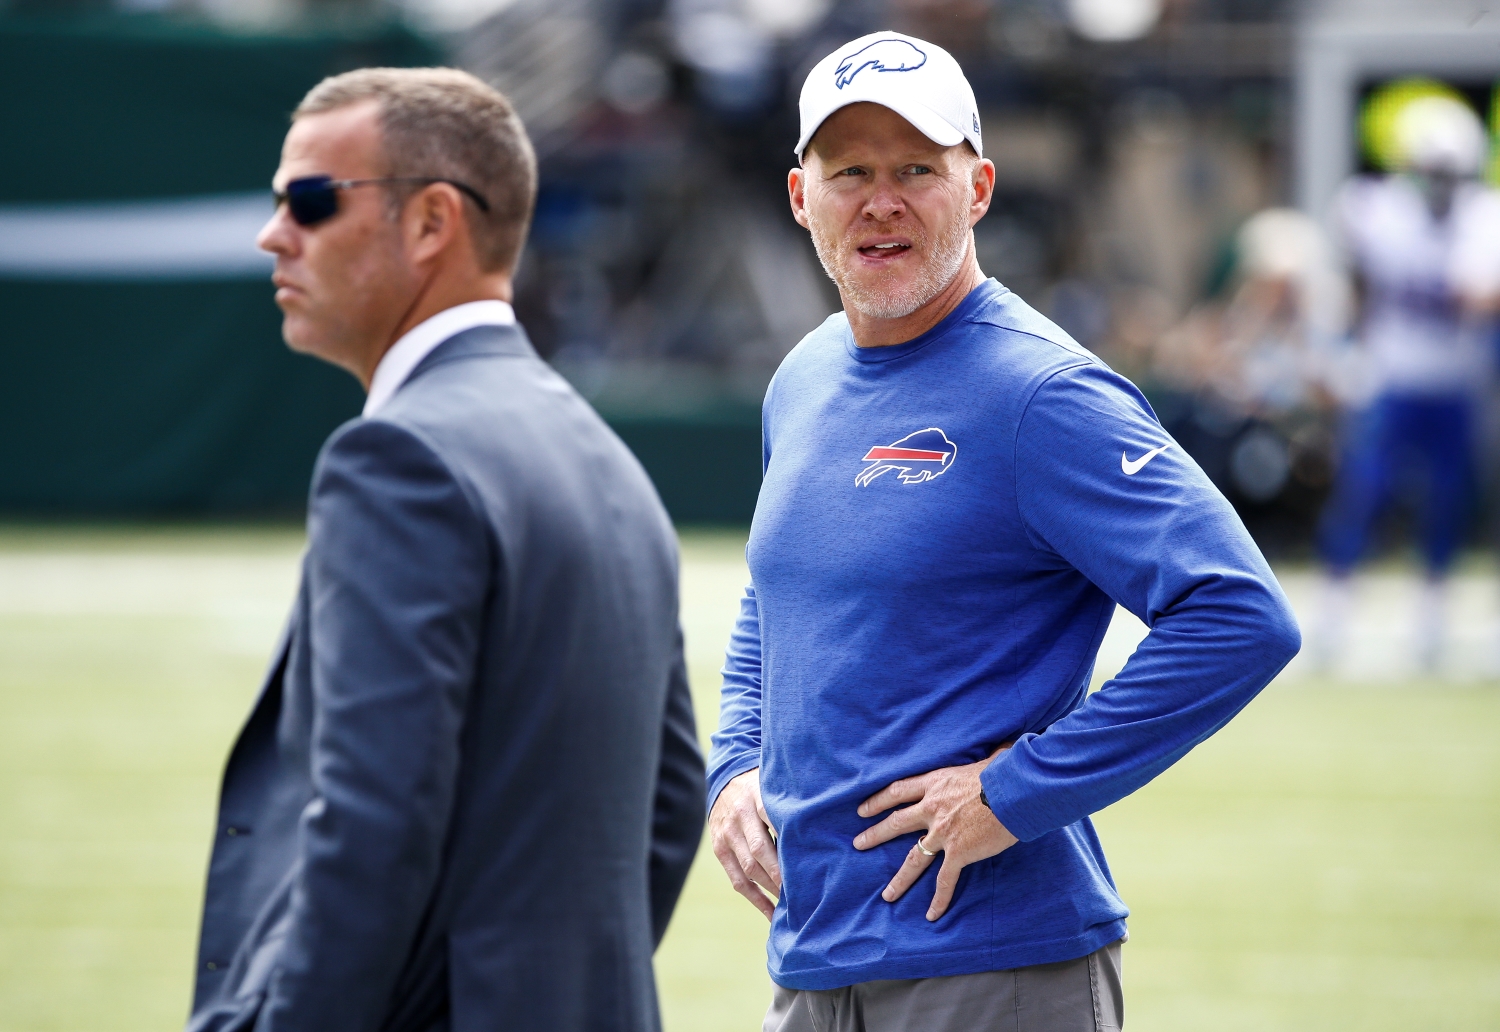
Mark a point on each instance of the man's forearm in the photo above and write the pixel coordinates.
(1198, 668)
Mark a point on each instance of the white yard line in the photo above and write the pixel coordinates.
(238, 602)
(143, 584)
(245, 597)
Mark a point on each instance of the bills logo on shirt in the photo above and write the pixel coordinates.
(916, 457)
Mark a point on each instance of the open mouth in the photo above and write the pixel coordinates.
(891, 249)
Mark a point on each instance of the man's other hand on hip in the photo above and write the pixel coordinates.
(744, 843)
(946, 805)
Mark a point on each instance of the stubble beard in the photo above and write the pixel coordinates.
(946, 257)
(347, 312)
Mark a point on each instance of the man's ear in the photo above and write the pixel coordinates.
(984, 189)
(434, 217)
(796, 188)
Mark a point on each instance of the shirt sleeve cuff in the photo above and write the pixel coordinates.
(727, 772)
(1011, 800)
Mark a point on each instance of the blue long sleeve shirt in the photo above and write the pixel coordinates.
(943, 531)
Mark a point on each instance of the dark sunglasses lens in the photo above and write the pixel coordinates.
(311, 200)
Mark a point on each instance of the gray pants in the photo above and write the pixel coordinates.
(1080, 995)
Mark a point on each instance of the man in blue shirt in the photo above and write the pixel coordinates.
(956, 496)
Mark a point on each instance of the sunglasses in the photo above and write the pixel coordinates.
(313, 199)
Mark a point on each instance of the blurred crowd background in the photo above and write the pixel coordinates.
(1167, 169)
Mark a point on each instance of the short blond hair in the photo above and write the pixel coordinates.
(446, 123)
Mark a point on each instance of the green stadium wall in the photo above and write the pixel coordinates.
(141, 397)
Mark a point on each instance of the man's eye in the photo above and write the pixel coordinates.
(852, 172)
(919, 170)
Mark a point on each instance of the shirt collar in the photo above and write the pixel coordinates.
(988, 288)
(417, 343)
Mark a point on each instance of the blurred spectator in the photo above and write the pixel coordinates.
(1424, 243)
(1247, 380)
(1260, 352)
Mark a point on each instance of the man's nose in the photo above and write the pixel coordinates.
(279, 233)
(885, 202)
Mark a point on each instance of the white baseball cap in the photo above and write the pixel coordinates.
(918, 80)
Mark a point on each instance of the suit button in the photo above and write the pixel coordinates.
(211, 966)
(234, 831)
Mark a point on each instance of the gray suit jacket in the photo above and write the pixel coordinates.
(469, 792)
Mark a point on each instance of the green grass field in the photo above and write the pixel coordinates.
(1329, 861)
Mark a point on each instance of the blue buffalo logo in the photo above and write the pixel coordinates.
(884, 55)
(916, 457)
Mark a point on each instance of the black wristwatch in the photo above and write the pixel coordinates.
(985, 800)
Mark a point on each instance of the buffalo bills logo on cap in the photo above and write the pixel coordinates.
(884, 55)
(919, 457)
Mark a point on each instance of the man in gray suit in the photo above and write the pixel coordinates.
(469, 792)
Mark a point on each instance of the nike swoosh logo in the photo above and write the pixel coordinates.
(1132, 468)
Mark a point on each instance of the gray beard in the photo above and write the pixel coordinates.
(948, 254)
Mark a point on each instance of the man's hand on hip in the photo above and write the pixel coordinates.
(743, 842)
(945, 804)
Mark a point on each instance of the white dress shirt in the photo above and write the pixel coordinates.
(417, 343)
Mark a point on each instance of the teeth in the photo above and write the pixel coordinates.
(885, 247)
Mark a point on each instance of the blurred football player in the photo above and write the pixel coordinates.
(1422, 242)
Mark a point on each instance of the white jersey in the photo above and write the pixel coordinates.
(1416, 270)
